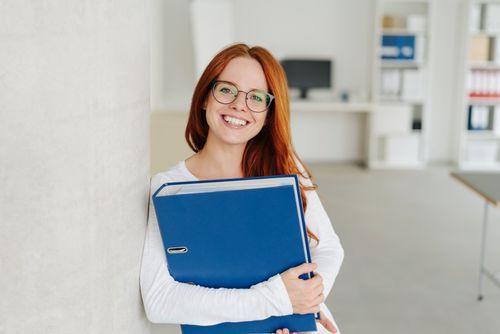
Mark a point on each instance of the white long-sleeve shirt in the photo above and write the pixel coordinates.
(168, 301)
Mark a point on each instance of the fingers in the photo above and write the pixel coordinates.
(303, 269)
(314, 309)
(316, 285)
(305, 295)
(283, 331)
(319, 299)
(327, 323)
(316, 280)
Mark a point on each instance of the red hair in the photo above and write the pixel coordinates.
(270, 152)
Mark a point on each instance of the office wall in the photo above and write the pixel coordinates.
(445, 40)
(172, 54)
(168, 146)
(74, 171)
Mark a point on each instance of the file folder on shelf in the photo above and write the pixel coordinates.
(234, 233)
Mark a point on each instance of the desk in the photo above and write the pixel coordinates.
(330, 107)
(486, 185)
(330, 131)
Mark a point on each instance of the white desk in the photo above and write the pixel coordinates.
(486, 185)
(330, 131)
(325, 106)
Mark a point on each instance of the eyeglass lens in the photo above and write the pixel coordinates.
(256, 100)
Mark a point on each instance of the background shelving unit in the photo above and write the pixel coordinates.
(398, 135)
(479, 87)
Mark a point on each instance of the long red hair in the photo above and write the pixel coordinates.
(271, 151)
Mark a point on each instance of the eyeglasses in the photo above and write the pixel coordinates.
(256, 100)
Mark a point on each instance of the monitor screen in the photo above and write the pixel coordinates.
(307, 73)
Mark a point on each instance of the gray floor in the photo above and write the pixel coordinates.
(411, 240)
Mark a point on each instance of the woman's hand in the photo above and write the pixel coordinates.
(323, 320)
(305, 295)
(327, 323)
(284, 331)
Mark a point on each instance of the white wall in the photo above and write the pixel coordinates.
(444, 48)
(172, 55)
(217, 16)
(74, 171)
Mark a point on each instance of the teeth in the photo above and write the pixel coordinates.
(234, 121)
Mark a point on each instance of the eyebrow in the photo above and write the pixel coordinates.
(237, 86)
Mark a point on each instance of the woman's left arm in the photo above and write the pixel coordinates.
(328, 254)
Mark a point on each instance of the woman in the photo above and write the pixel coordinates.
(239, 126)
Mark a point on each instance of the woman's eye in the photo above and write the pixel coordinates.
(257, 98)
(225, 90)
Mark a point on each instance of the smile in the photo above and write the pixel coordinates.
(234, 122)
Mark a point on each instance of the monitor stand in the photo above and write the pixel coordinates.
(303, 93)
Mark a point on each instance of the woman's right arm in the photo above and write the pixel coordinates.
(168, 301)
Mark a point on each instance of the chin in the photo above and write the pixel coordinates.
(235, 140)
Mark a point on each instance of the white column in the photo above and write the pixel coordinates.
(74, 165)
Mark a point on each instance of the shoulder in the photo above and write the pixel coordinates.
(304, 177)
(176, 173)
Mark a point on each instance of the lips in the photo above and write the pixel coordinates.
(234, 121)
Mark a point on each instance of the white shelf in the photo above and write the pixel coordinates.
(393, 103)
(470, 165)
(399, 64)
(401, 31)
(413, 133)
(392, 142)
(478, 149)
(489, 65)
(487, 33)
(398, 99)
(483, 100)
(481, 135)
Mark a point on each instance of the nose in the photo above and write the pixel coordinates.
(240, 104)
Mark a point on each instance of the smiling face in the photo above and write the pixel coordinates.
(235, 123)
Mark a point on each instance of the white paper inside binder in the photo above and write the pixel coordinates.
(222, 185)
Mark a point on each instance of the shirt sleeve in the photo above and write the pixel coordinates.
(168, 301)
(328, 254)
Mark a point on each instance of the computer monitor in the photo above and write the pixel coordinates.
(307, 73)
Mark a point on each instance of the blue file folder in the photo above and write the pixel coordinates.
(234, 233)
(398, 47)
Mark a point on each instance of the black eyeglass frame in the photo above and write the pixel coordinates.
(215, 82)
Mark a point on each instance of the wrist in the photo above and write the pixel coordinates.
(275, 292)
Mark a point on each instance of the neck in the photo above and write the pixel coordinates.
(217, 162)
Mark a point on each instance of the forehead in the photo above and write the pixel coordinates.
(246, 72)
